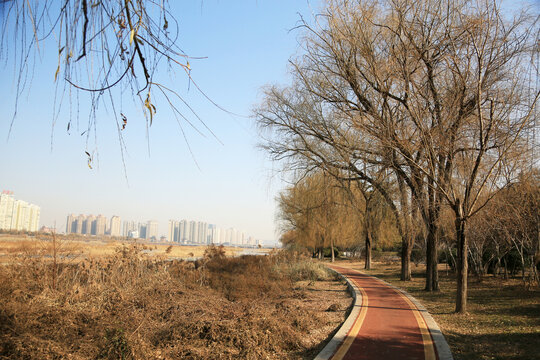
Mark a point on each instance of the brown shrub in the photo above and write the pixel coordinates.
(135, 306)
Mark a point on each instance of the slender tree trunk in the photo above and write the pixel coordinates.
(522, 257)
(406, 250)
(367, 265)
(435, 269)
(407, 237)
(432, 273)
(332, 249)
(463, 266)
(429, 264)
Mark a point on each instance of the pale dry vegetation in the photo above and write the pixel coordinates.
(132, 305)
(84, 247)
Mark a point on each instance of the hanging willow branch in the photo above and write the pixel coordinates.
(118, 42)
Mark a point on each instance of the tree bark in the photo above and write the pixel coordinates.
(429, 263)
(432, 274)
(367, 265)
(463, 266)
(406, 250)
(407, 234)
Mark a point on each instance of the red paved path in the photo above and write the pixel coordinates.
(390, 329)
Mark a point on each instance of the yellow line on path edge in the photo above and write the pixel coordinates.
(355, 329)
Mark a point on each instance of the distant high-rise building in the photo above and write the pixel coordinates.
(177, 234)
(129, 227)
(79, 223)
(20, 214)
(152, 228)
(211, 234)
(115, 226)
(70, 223)
(33, 222)
(172, 233)
(6, 210)
(192, 232)
(101, 225)
(17, 214)
(183, 232)
(89, 225)
(142, 231)
(202, 234)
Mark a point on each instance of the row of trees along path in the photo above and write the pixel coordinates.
(430, 104)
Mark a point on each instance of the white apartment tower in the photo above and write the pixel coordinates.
(101, 225)
(79, 223)
(172, 233)
(69, 223)
(115, 226)
(152, 228)
(89, 225)
(17, 214)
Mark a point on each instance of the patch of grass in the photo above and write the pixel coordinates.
(298, 267)
(503, 319)
(115, 346)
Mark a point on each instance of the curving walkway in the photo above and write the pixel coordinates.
(385, 324)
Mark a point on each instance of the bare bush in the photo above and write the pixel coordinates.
(135, 306)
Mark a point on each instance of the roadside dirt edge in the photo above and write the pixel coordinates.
(330, 349)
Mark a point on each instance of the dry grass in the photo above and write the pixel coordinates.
(503, 320)
(134, 305)
(90, 247)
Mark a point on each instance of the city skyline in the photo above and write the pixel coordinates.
(178, 231)
(207, 167)
(202, 233)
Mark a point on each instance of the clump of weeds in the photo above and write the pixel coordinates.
(133, 305)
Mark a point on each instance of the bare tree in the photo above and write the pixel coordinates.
(428, 89)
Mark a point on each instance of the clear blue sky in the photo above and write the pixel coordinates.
(247, 44)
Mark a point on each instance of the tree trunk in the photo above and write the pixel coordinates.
(462, 268)
(522, 258)
(429, 263)
(432, 274)
(497, 266)
(367, 265)
(435, 270)
(332, 249)
(406, 250)
(406, 232)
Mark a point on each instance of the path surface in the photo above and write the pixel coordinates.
(388, 325)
